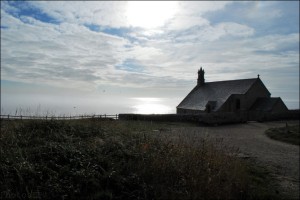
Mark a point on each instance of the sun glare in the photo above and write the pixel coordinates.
(150, 14)
(150, 106)
(151, 109)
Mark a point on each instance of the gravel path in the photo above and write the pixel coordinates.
(280, 158)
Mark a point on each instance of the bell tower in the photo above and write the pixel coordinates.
(200, 80)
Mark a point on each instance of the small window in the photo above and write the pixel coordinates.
(238, 104)
(208, 108)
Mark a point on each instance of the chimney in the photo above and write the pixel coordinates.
(200, 80)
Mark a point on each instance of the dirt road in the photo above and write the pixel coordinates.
(280, 158)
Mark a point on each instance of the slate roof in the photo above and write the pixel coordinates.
(215, 91)
(265, 104)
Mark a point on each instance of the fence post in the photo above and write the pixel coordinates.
(21, 117)
(7, 116)
(105, 116)
(116, 116)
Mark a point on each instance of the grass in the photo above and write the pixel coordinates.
(289, 134)
(93, 159)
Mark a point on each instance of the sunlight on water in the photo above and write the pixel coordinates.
(151, 106)
(41, 105)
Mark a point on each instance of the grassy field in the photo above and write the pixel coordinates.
(289, 134)
(93, 159)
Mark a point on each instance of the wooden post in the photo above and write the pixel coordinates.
(116, 116)
(105, 116)
(7, 116)
(46, 117)
(21, 117)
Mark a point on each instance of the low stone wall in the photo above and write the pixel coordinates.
(161, 117)
(216, 118)
(225, 118)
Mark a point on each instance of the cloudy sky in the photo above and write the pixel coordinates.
(142, 57)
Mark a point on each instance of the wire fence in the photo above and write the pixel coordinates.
(23, 117)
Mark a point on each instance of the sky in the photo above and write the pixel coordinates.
(101, 57)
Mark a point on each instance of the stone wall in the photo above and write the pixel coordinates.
(216, 118)
(162, 117)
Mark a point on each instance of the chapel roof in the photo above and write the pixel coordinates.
(265, 104)
(218, 92)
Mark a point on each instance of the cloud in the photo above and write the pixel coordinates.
(212, 33)
(78, 12)
(49, 52)
(274, 44)
(57, 49)
(185, 22)
(115, 14)
(90, 45)
(194, 8)
(257, 11)
(234, 29)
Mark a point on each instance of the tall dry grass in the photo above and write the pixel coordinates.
(114, 160)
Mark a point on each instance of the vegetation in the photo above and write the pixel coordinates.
(289, 134)
(119, 160)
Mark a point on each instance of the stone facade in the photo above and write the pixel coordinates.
(229, 96)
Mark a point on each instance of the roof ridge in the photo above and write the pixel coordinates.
(232, 80)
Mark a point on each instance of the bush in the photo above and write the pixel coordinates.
(289, 134)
